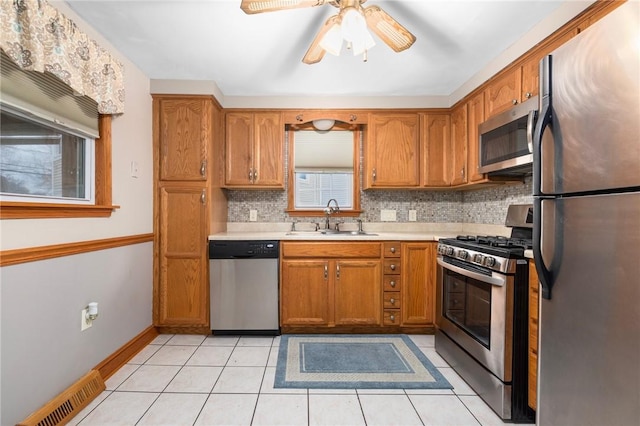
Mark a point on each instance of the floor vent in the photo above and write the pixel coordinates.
(63, 407)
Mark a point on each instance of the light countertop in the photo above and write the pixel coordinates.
(376, 231)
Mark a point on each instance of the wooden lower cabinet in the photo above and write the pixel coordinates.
(330, 290)
(304, 292)
(183, 286)
(418, 284)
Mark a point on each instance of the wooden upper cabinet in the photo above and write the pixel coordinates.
(459, 145)
(503, 92)
(254, 144)
(392, 151)
(184, 132)
(436, 148)
(475, 116)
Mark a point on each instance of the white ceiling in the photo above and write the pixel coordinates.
(260, 55)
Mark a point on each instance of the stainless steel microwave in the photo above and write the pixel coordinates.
(505, 145)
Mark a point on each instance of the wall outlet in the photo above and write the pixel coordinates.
(253, 215)
(135, 169)
(388, 215)
(413, 215)
(85, 323)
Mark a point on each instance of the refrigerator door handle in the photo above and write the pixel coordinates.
(544, 274)
(544, 119)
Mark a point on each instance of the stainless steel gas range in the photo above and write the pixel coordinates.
(482, 313)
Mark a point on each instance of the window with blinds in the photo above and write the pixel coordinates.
(323, 168)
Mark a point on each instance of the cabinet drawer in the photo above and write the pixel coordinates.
(391, 317)
(331, 249)
(391, 283)
(391, 300)
(391, 266)
(391, 249)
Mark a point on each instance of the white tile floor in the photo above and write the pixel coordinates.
(192, 380)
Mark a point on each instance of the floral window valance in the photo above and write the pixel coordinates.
(37, 37)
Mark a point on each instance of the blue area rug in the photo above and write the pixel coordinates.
(354, 362)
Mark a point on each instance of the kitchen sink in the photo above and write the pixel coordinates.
(335, 232)
(328, 233)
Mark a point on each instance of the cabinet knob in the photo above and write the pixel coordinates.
(374, 175)
(338, 271)
(392, 283)
(514, 101)
(392, 267)
(392, 317)
(203, 197)
(326, 271)
(528, 95)
(392, 301)
(203, 168)
(392, 250)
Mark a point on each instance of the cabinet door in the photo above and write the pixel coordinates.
(392, 158)
(503, 93)
(357, 292)
(475, 116)
(304, 292)
(436, 133)
(239, 149)
(531, 68)
(184, 133)
(182, 293)
(459, 145)
(418, 284)
(268, 154)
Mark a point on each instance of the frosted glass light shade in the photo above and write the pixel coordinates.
(323, 124)
(332, 40)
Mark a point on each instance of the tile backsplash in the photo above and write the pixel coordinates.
(486, 206)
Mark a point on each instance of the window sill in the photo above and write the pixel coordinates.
(16, 210)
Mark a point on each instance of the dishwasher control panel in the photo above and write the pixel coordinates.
(243, 249)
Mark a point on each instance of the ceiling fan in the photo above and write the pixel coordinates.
(348, 25)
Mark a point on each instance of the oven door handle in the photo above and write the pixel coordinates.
(497, 281)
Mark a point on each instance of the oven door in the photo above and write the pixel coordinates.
(474, 308)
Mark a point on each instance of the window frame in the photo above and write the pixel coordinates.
(291, 209)
(102, 206)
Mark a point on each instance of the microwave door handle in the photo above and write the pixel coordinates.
(493, 280)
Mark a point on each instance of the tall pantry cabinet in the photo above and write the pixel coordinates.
(186, 131)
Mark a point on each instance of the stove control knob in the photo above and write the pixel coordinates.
(448, 251)
(489, 261)
(463, 254)
(477, 258)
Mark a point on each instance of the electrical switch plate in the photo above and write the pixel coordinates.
(413, 215)
(253, 215)
(135, 170)
(388, 215)
(85, 323)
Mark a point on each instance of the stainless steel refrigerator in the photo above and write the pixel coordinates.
(586, 186)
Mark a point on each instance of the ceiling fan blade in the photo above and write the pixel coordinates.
(388, 29)
(259, 6)
(315, 53)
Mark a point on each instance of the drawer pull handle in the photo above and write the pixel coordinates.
(392, 301)
(392, 283)
(392, 317)
(392, 267)
(393, 249)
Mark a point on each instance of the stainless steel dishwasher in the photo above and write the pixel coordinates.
(244, 287)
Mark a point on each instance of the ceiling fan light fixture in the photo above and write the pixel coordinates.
(323, 124)
(354, 31)
(332, 40)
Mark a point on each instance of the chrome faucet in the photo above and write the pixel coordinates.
(329, 210)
